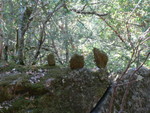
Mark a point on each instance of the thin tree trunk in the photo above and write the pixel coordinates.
(56, 52)
(64, 31)
(66, 39)
(40, 43)
(42, 39)
(6, 50)
(17, 43)
(9, 32)
(23, 26)
(1, 33)
(20, 36)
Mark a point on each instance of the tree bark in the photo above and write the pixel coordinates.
(40, 43)
(56, 52)
(6, 51)
(1, 32)
(20, 36)
(24, 21)
(66, 39)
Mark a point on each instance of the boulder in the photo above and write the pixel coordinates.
(133, 94)
(76, 61)
(64, 91)
(59, 91)
(51, 59)
(100, 58)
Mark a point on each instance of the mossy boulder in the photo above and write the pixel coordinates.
(51, 59)
(100, 58)
(61, 90)
(58, 91)
(132, 94)
(76, 61)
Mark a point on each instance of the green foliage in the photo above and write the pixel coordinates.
(67, 32)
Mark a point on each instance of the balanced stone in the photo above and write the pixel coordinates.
(100, 58)
(76, 61)
(51, 59)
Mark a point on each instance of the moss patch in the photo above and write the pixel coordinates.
(68, 91)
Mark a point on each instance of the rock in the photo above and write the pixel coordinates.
(137, 97)
(100, 57)
(60, 91)
(3, 63)
(76, 61)
(49, 82)
(64, 91)
(51, 59)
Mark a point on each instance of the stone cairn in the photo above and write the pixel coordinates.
(51, 59)
(76, 61)
(100, 58)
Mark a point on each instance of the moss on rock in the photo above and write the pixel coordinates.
(68, 92)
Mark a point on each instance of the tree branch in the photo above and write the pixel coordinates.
(101, 17)
(128, 85)
(88, 12)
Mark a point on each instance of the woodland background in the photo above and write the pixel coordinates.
(31, 29)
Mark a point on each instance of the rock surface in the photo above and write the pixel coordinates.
(76, 61)
(49, 90)
(137, 98)
(61, 90)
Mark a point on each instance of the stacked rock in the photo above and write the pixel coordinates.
(76, 61)
(100, 58)
(51, 59)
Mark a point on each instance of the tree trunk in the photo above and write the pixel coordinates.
(64, 31)
(56, 52)
(66, 39)
(20, 36)
(1, 33)
(40, 43)
(24, 21)
(17, 43)
(6, 51)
